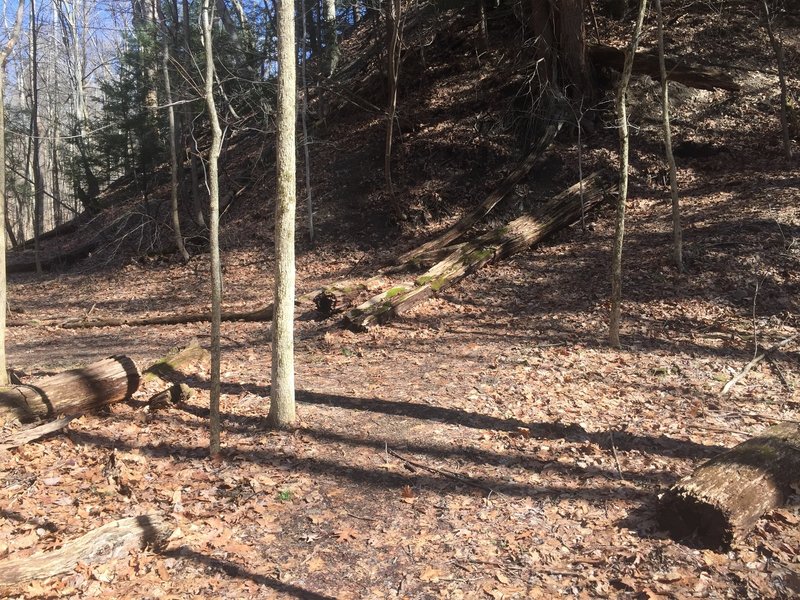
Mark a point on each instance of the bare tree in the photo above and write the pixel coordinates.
(282, 411)
(304, 120)
(173, 150)
(777, 48)
(4, 54)
(213, 193)
(677, 234)
(624, 144)
(393, 50)
(36, 143)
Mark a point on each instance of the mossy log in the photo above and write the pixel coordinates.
(498, 195)
(111, 541)
(702, 78)
(558, 213)
(724, 498)
(103, 382)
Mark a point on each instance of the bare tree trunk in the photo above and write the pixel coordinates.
(777, 47)
(4, 54)
(213, 192)
(393, 47)
(173, 151)
(194, 175)
(677, 234)
(624, 143)
(38, 180)
(331, 43)
(304, 118)
(282, 411)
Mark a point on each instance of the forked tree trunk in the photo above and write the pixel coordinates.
(560, 212)
(72, 392)
(724, 498)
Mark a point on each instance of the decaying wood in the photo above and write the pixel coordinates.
(20, 438)
(743, 373)
(72, 392)
(337, 297)
(258, 315)
(62, 260)
(646, 64)
(724, 498)
(177, 393)
(559, 212)
(111, 541)
(178, 365)
(498, 195)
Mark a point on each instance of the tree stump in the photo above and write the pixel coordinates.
(722, 500)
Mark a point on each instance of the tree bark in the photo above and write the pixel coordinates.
(282, 411)
(111, 541)
(777, 48)
(492, 200)
(724, 498)
(521, 233)
(20, 438)
(72, 392)
(38, 179)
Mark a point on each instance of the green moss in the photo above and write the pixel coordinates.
(478, 255)
(395, 291)
(423, 279)
(439, 283)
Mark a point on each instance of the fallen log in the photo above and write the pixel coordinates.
(498, 195)
(111, 541)
(559, 212)
(724, 498)
(103, 382)
(702, 78)
(258, 315)
(59, 261)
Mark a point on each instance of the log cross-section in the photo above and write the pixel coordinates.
(724, 498)
(561, 211)
(72, 392)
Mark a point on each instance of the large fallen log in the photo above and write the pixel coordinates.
(72, 392)
(498, 195)
(724, 498)
(702, 78)
(559, 212)
(111, 541)
(60, 261)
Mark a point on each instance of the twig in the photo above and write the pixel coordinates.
(362, 518)
(779, 373)
(443, 472)
(616, 458)
(743, 373)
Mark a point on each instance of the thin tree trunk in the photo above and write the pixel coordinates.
(38, 180)
(173, 151)
(624, 143)
(304, 118)
(213, 192)
(282, 411)
(677, 234)
(777, 47)
(331, 43)
(393, 72)
(4, 54)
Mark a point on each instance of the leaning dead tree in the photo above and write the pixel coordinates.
(498, 195)
(724, 498)
(558, 213)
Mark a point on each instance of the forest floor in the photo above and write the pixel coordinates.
(487, 444)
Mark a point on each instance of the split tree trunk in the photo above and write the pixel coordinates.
(724, 498)
(560, 212)
(72, 392)
(492, 200)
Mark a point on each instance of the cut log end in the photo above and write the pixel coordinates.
(725, 497)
